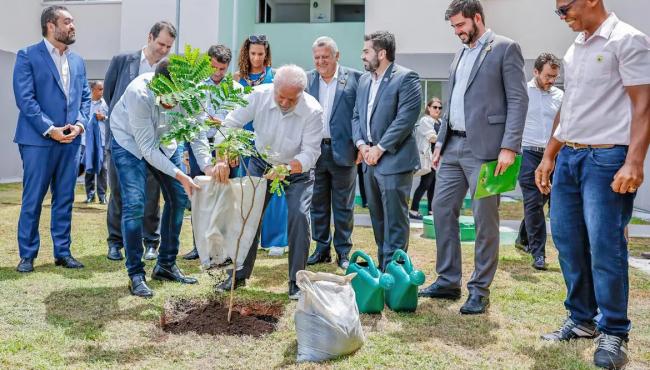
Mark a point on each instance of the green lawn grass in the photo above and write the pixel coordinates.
(86, 319)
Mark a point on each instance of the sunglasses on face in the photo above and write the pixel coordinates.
(436, 107)
(257, 39)
(564, 9)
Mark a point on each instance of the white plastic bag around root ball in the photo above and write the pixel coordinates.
(217, 220)
(327, 317)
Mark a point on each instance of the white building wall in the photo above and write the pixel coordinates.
(198, 21)
(420, 27)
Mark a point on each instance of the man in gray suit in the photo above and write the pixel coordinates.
(335, 87)
(483, 121)
(387, 107)
(122, 70)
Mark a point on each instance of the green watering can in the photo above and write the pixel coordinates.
(403, 296)
(369, 284)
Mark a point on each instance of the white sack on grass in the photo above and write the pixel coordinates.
(327, 317)
(217, 220)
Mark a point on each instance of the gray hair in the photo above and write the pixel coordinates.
(290, 75)
(326, 41)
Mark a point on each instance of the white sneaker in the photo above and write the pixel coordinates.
(276, 251)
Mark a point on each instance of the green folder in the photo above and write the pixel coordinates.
(488, 184)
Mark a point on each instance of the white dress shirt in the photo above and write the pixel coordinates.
(61, 63)
(461, 79)
(326, 93)
(145, 67)
(374, 88)
(596, 108)
(138, 124)
(220, 114)
(294, 135)
(542, 109)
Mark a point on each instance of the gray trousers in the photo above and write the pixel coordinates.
(298, 194)
(459, 170)
(388, 205)
(151, 223)
(333, 193)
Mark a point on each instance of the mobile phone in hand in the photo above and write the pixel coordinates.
(67, 131)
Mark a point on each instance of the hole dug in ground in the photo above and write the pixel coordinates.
(210, 316)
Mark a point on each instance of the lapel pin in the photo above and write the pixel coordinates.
(600, 58)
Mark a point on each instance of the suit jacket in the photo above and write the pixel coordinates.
(393, 117)
(40, 96)
(123, 69)
(496, 99)
(344, 151)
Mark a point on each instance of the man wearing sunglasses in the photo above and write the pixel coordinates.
(483, 121)
(597, 152)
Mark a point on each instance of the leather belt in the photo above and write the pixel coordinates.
(588, 146)
(458, 133)
(537, 149)
(326, 141)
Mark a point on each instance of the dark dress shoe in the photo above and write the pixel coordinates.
(25, 265)
(227, 284)
(436, 291)
(151, 254)
(522, 247)
(415, 215)
(475, 305)
(138, 287)
(172, 273)
(294, 291)
(192, 255)
(68, 262)
(102, 200)
(114, 254)
(318, 257)
(343, 262)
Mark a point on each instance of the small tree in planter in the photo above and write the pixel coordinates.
(187, 88)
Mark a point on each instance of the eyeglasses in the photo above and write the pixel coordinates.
(436, 107)
(257, 39)
(564, 9)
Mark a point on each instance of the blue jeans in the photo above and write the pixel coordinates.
(588, 220)
(132, 175)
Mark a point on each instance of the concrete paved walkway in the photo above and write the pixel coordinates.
(636, 231)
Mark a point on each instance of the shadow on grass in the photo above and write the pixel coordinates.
(88, 209)
(558, 355)
(436, 319)
(84, 312)
(520, 269)
(92, 265)
(95, 354)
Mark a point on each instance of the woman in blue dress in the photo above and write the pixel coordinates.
(254, 70)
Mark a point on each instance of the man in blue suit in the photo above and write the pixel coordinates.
(53, 98)
(335, 87)
(387, 107)
(123, 69)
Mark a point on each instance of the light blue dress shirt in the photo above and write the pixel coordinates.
(138, 124)
(463, 71)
